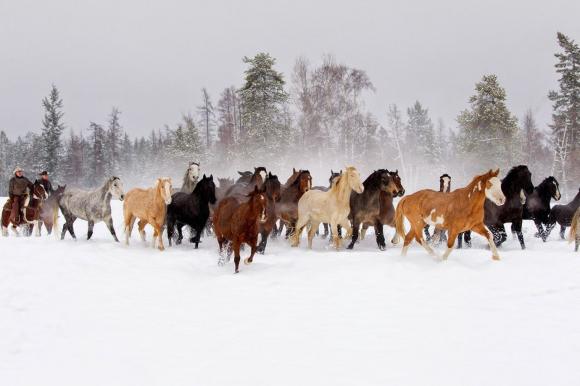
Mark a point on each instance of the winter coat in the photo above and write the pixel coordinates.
(46, 185)
(18, 185)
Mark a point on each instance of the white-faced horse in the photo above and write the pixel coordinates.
(190, 178)
(91, 206)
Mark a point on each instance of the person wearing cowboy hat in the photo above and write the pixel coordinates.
(17, 191)
(45, 182)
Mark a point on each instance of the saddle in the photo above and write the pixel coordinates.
(26, 212)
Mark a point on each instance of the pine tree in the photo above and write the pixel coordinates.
(52, 128)
(488, 131)
(566, 112)
(97, 158)
(113, 143)
(262, 98)
(5, 160)
(419, 134)
(73, 162)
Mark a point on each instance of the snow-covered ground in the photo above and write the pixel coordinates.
(100, 313)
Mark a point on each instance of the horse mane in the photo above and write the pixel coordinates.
(374, 179)
(477, 180)
(297, 179)
(507, 182)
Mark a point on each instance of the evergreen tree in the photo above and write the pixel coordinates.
(488, 131)
(420, 135)
(113, 143)
(52, 128)
(262, 97)
(566, 112)
(5, 163)
(73, 162)
(97, 159)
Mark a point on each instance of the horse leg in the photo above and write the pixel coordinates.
(295, 240)
(198, 231)
(467, 239)
(427, 234)
(363, 232)
(179, 233)
(408, 238)
(482, 230)
(424, 244)
(501, 235)
(236, 248)
(129, 228)
(312, 233)
(517, 227)
(355, 233)
(562, 232)
(90, 231)
(450, 244)
(460, 240)
(38, 225)
(325, 234)
(158, 236)
(109, 222)
(141, 228)
(380, 236)
(263, 242)
(253, 248)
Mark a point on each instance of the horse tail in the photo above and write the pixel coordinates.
(399, 221)
(574, 226)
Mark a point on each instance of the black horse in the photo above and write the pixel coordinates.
(191, 209)
(562, 214)
(537, 206)
(366, 206)
(515, 184)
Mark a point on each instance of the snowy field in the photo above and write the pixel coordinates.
(100, 313)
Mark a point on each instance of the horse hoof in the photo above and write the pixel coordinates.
(496, 258)
(236, 271)
(350, 246)
(247, 261)
(382, 247)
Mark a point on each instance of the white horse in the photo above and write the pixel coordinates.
(331, 207)
(190, 178)
(91, 206)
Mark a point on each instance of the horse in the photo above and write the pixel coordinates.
(444, 187)
(244, 177)
(223, 185)
(190, 177)
(49, 210)
(287, 207)
(91, 206)
(386, 210)
(191, 209)
(30, 211)
(242, 187)
(456, 211)
(575, 229)
(366, 207)
(537, 206)
(237, 223)
(332, 207)
(333, 176)
(272, 189)
(150, 207)
(562, 214)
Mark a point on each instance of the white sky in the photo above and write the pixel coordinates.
(151, 58)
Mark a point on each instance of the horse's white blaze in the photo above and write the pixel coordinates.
(522, 197)
(494, 192)
(439, 220)
(446, 182)
(167, 187)
(558, 195)
(263, 175)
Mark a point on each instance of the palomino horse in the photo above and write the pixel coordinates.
(30, 213)
(190, 178)
(91, 206)
(287, 208)
(457, 211)
(331, 207)
(537, 206)
(49, 210)
(575, 229)
(562, 214)
(365, 208)
(333, 175)
(236, 223)
(191, 209)
(150, 207)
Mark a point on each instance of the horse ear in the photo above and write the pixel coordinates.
(495, 172)
(204, 177)
(211, 177)
(331, 171)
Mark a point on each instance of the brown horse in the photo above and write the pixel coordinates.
(458, 211)
(287, 208)
(575, 230)
(150, 207)
(49, 210)
(30, 212)
(237, 223)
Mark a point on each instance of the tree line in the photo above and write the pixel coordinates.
(318, 121)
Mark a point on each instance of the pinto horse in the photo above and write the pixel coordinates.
(366, 207)
(287, 207)
(332, 207)
(30, 212)
(150, 207)
(191, 209)
(537, 206)
(562, 214)
(456, 211)
(237, 223)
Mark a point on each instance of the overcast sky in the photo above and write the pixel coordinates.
(151, 58)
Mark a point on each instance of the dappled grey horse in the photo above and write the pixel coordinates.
(190, 178)
(92, 206)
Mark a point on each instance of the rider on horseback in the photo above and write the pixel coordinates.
(17, 193)
(45, 182)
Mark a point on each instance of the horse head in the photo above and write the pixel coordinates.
(397, 180)
(353, 179)
(273, 187)
(115, 187)
(304, 181)
(553, 187)
(333, 177)
(259, 203)
(193, 172)
(164, 186)
(207, 188)
(445, 183)
(519, 177)
(38, 191)
(493, 187)
(260, 171)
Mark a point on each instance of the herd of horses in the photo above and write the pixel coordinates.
(257, 206)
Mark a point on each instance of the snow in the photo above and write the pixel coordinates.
(100, 313)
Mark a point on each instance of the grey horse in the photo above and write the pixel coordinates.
(92, 206)
(190, 178)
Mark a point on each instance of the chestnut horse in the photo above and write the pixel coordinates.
(456, 211)
(236, 223)
(331, 207)
(150, 207)
(287, 208)
(30, 211)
